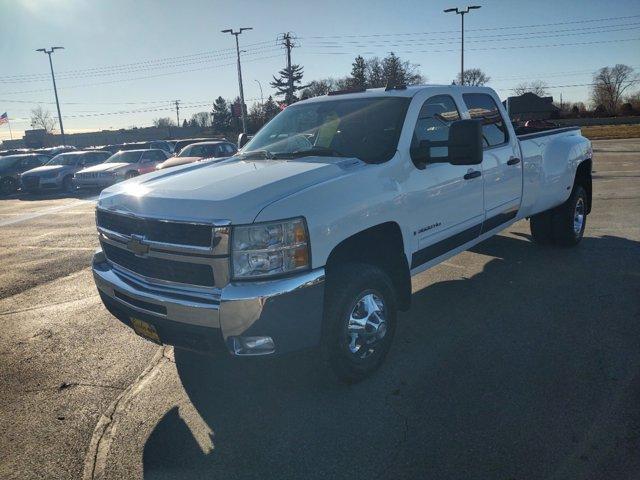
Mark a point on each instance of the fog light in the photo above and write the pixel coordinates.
(252, 345)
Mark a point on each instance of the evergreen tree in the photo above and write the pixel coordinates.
(221, 115)
(392, 70)
(375, 76)
(359, 73)
(270, 109)
(184, 123)
(288, 83)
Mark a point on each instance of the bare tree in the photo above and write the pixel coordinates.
(537, 87)
(201, 119)
(42, 119)
(609, 84)
(473, 77)
(163, 122)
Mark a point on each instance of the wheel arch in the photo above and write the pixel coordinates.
(381, 245)
(584, 179)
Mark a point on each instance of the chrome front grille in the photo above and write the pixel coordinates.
(182, 254)
(199, 235)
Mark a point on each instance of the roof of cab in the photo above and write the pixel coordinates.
(407, 92)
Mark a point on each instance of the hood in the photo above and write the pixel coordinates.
(233, 189)
(46, 168)
(175, 161)
(104, 167)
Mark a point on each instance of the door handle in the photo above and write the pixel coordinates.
(472, 174)
(513, 161)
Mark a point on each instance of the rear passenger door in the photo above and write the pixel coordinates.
(501, 165)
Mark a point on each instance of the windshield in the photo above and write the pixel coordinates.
(124, 157)
(64, 159)
(365, 128)
(199, 151)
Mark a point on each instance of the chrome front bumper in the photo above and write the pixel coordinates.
(288, 310)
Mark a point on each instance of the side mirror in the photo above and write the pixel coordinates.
(243, 138)
(465, 142)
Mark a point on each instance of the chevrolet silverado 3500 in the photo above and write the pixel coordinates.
(309, 236)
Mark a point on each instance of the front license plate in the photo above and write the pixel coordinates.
(145, 330)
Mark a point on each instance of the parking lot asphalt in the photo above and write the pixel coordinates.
(515, 362)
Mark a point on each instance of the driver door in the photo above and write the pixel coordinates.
(446, 200)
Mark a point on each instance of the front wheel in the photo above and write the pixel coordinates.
(359, 320)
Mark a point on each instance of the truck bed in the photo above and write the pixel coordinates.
(527, 133)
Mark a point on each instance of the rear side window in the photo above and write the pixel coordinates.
(434, 120)
(483, 107)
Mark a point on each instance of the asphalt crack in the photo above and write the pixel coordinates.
(104, 431)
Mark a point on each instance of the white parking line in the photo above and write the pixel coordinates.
(46, 211)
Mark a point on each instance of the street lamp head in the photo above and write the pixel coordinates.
(57, 48)
(474, 7)
(451, 10)
(226, 31)
(41, 50)
(242, 29)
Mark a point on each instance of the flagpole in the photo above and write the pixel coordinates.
(9, 123)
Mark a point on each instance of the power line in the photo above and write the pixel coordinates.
(476, 29)
(143, 77)
(208, 54)
(485, 38)
(256, 52)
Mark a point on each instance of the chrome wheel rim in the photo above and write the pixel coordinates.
(367, 325)
(578, 217)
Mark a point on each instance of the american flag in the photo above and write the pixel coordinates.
(4, 118)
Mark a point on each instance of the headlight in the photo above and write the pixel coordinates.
(267, 249)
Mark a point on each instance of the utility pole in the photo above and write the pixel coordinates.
(177, 103)
(55, 90)
(462, 13)
(242, 109)
(287, 41)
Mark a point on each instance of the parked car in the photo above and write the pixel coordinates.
(199, 151)
(156, 144)
(121, 166)
(58, 172)
(12, 166)
(180, 144)
(53, 151)
(309, 236)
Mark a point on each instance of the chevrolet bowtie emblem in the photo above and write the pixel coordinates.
(137, 245)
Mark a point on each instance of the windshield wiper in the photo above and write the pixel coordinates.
(320, 151)
(257, 154)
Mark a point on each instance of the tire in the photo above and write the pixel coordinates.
(363, 292)
(540, 226)
(67, 185)
(570, 219)
(130, 175)
(7, 186)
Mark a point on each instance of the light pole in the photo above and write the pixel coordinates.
(462, 13)
(261, 96)
(243, 114)
(55, 90)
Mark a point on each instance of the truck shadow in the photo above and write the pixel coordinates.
(504, 374)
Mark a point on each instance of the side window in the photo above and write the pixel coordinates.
(434, 120)
(154, 156)
(31, 162)
(42, 159)
(230, 148)
(483, 107)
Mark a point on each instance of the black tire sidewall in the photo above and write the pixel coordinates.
(344, 286)
(563, 219)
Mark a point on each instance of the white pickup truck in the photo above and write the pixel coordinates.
(309, 236)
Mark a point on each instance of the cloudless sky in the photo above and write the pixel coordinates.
(179, 48)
